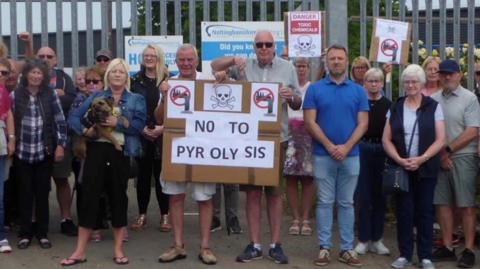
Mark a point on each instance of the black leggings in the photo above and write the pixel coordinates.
(147, 165)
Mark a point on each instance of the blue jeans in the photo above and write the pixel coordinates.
(3, 160)
(369, 199)
(335, 182)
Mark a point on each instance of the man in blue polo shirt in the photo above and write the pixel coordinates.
(336, 116)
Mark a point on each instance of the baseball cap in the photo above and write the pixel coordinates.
(105, 53)
(448, 66)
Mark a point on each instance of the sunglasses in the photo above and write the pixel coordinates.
(43, 56)
(94, 81)
(5, 73)
(102, 59)
(261, 45)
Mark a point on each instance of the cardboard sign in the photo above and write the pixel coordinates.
(304, 30)
(390, 41)
(134, 46)
(221, 137)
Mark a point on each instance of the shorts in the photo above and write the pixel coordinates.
(457, 186)
(200, 191)
(63, 168)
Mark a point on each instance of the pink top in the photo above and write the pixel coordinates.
(5, 102)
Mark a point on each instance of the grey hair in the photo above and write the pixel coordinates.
(375, 73)
(187, 46)
(414, 70)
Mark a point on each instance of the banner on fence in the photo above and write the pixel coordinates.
(221, 39)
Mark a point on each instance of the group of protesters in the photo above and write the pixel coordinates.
(337, 135)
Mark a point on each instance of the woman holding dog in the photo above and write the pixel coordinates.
(146, 82)
(106, 169)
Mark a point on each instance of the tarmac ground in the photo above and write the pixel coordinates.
(145, 246)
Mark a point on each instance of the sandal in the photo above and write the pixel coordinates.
(71, 261)
(120, 260)
(294, 228)
(140, 223)
(306, 229)
(165, 226)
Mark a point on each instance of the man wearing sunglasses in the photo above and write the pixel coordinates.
(62, 83)
(103, 58)
(266, 67)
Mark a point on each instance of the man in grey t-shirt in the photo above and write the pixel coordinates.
(266, 67)
(459, 163)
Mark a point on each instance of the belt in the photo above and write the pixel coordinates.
(375, 140)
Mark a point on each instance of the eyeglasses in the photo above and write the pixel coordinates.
(373, 81)
(94, 81)
(360, 67)
(5, 73)
(411, 82)
(261, 45)
(43, 56)
(102, 59)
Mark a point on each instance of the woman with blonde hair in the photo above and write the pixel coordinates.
(360, 65)
(146, 83)
(430, 66)
(106, 169)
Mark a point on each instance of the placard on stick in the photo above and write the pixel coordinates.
(390, 41)
(304, 33)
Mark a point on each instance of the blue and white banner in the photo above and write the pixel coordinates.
(134, 46)
(221, 39)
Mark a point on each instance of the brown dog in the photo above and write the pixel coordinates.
(99, 110)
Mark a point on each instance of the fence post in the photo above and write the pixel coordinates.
(337, 24)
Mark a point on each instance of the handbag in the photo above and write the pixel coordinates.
(395, 178)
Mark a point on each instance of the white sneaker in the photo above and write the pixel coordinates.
(379, 248)
(400, 263)
(427, 264)
(5, 247)
(362, 248)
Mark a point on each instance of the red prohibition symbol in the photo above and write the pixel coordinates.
(388, 47)
(262, 96)
(178, 93)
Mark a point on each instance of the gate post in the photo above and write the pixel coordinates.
(337, 22)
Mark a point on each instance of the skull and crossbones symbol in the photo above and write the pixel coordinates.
(304, 45)
(223, 97)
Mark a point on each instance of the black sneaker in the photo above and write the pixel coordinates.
(233, 226)
(467, 259)
(68, 228)
(277, 255)
(215, 226)
(443, 254)
(250, 253)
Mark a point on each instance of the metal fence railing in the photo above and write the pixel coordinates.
(82, 27)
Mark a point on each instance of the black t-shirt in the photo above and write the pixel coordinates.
(151, 99)
(377, 117)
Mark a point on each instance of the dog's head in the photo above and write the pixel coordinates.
(101, 108)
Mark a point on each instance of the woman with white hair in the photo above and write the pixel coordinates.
(414, 134)
(106, 169)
